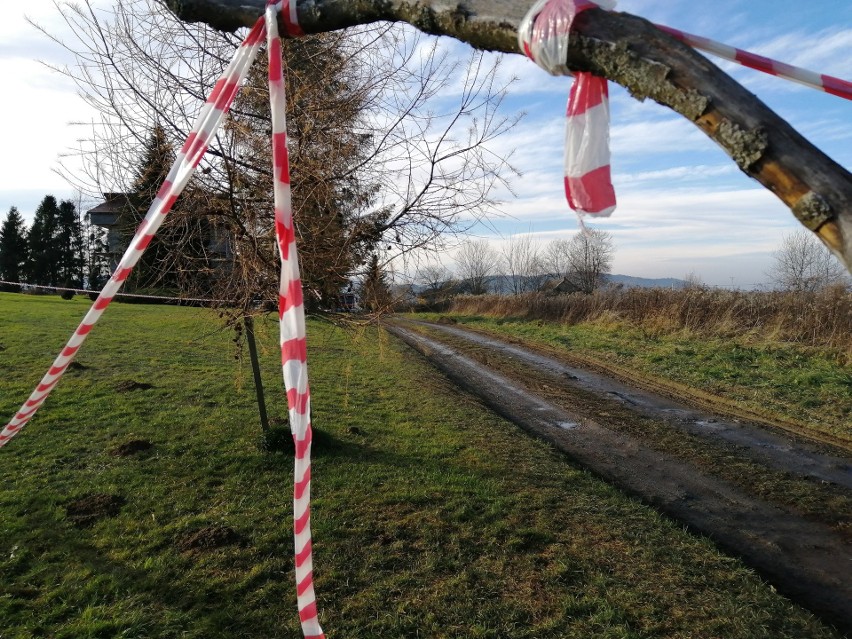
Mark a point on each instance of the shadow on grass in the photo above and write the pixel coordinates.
(277, 441)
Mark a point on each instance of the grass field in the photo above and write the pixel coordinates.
(432, 517)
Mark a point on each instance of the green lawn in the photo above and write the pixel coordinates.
(433, 519)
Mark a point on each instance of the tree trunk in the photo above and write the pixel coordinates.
(248, 321)
(633, 53)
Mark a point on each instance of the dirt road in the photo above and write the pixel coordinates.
(757, 492)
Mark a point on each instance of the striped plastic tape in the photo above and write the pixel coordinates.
(206, 125)
(829, 84)
(291, 308)
(543, 36)
(291, 312)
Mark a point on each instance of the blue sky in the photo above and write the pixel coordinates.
(683, 205)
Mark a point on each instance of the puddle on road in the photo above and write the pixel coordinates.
(568, 425)
(708, 423)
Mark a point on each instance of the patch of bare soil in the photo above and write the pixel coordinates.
(806, 559)
(130, 385)
(88, 509)
(132, 447)
(447, 320)
(208, 538)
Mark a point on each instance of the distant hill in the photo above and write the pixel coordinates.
(645, 282)
(503, 285)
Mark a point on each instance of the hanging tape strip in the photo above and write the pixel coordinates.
(291, 312)
(543, 36)
(820, 81)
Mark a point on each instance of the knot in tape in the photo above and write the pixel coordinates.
(289, 16)
(544, 35)
(545, 31)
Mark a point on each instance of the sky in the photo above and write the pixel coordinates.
(683, 206)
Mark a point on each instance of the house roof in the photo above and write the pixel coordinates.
(114, 203)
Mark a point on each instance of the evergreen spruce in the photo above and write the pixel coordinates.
(177, 258)
(375, 292)
(13, 249)
(68, 244)
(96, 261)
(43, 266)
(157, 158)
(337, 225)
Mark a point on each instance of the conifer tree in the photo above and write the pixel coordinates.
(13, 249)
(157, 157)
(176, 257)
(95, 255)
(42, 260)
(68, 246)
(335, 226)
(375, 292)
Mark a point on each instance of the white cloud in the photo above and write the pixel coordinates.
(677, 174)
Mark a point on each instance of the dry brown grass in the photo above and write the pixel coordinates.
(822, 319)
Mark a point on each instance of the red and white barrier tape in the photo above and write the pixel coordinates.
(187, 160)
(291, 312)
(829, 84)
(291, 309)
(543, 37)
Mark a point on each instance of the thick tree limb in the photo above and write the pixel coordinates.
(633, 53)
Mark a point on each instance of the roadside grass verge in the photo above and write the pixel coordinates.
(807, 387)
(432, 517)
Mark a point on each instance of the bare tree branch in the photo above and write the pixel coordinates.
(635, 54)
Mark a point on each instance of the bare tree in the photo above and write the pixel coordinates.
(435, 278)
(374, 164)
(522, 266)
(476, 262)
(589, 257)
(555, 257)
(803, 264)
(692, 280)
(628, 50)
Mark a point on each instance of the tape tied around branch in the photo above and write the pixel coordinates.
(544, 36)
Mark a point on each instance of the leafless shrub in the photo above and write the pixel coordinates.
(522, 266)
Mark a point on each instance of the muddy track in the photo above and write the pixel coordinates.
(807, 560)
